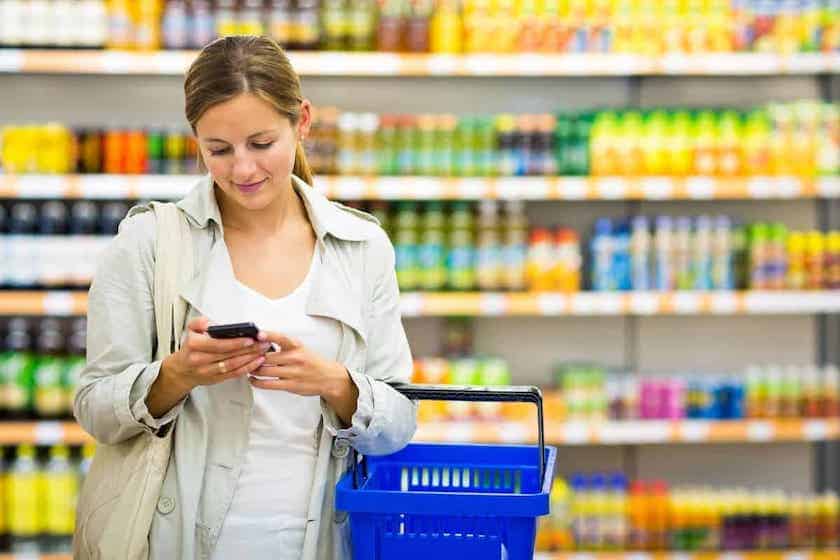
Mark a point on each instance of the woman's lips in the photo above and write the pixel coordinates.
(249, 188)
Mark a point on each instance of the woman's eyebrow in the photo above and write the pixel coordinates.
(260, 133)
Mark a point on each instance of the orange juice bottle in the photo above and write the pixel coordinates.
(434, 371)
(658, 516)
(638, 516)
(756, 144)
(706, 156)
(730, 140)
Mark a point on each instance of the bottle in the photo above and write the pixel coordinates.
(777, 257)
(682, 254)
(21, 246)
(814, 260)
(831, 276)
(602, 277)
(638, 516)
(432, 249)
(702, 260)
(664, 280)
(174, 25)
(17, 366)
(446, 28)
(226, 18)
(54, 253)
(61, 490)
(362, 32)
(796, 271)
(616, 535)
(23, 502)
(568, 261)
(74, 364)
(202, 24)
(406, 246)
(461, 258)
(120, 27)
(540, 261)
(489, 257)
(49, 397)
(831, 391)
(658, 515)
(562, 537)
(640, 250)
(723, 276)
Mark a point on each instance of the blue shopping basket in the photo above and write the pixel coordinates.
(441, 501)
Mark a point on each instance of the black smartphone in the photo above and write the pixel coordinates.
(234, 330)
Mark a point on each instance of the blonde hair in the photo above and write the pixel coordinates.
(238, 64)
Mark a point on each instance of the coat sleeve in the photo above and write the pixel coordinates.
(385, 420)
(110, 402)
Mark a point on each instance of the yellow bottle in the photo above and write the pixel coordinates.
(61, 490)
(796, 244)
(446, 27)
(24, 504)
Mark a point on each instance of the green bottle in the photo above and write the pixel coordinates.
(465, 148)
(426, 125)
(50, 397)
(17, 368)
(75, 363)
(485, 147)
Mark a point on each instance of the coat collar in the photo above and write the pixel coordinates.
(326, 217)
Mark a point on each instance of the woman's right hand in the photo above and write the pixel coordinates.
(202, 360)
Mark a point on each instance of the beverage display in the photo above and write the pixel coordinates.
(660, 142)
(40, 490)
(40, 366)
(54, 243)
(708, 253)
(602, 512)
(590, 392)
(449, 26)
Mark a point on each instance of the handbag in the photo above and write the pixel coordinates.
(120, 492)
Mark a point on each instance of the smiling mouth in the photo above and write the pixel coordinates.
(249, 187)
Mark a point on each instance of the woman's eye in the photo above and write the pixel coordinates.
(264, 146)
(218, 152)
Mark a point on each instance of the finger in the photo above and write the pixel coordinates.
(198, 324)
(196, 359)
(284, 358)
(204, 343)
(223, 367)
(273, 384)
(283, 372)
(283, 341)
(249, 367)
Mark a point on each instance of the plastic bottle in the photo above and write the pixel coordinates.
(446, 28)
(664, 280)
(828, 521)
(658, 515)
(432, 249)
(830, 391)
(406, 246)
(777, 257)
(616, 535)
(362, 32)
(368, 124)
(683, 254)
(489, 258)
(493, 372)
(814, 258)
(348, 144)
(602, 256)
(796, 271)
(831, 267)
(540, 264)
(580, 512)
(61, 489)
(49, 396)
(706, 148)
(723, 277)
(515, 245)
(730, 141)
(461, 258)
(562, 537)
(759, 256)
(640, 252)
(702, 259)
(74, 364)
(567, 261)
(17, 365)
(811, 401)
(791, 394)
(506, 132)
(638, 516)
(23, 502)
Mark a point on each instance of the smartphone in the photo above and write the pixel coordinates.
(234, 330)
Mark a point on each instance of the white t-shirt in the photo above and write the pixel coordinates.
(267, 517)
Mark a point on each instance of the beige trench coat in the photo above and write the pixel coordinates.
(356, 286)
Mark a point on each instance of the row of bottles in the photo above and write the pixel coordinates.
(40, 367)
(54, 243)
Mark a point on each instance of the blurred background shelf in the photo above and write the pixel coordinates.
(439, 188)
(329, 63)
(431, 304)
(637, 432)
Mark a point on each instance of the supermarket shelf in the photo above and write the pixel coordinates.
(42, 433)
(611, 304)
(431, 304)
(633, 432)
(433, 188)
(750, 555)
(523, 431)
(327, 63)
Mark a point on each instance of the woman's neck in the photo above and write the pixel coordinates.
(285, 210)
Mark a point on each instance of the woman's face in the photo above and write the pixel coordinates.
(249, 148)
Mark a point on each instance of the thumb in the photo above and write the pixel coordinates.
(199, 325)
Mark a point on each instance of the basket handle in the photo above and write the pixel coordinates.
(513, 393)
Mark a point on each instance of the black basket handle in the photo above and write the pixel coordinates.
(513, 393)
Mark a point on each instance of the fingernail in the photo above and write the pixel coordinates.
(260, 360)
(248, 342)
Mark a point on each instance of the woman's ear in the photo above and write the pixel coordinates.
(305, 119)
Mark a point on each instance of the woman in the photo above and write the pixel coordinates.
(261, 437)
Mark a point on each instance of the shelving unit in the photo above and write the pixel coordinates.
(633, 331)
(534, 304)
(574, 433)
(438, 188)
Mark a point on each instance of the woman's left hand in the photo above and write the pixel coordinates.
(296, 369)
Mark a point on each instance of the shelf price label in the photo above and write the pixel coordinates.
(760, 431)
(411, 304)
(552, 304)
(48, 433)
(11, 60)
(694, 431)
(612, 188)
(700, 188)
(58, 303)
(493, 304)
(513, 432)
(572, 188)
(815, 430)
(657, 188)
(472, 188)
(576, 433)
